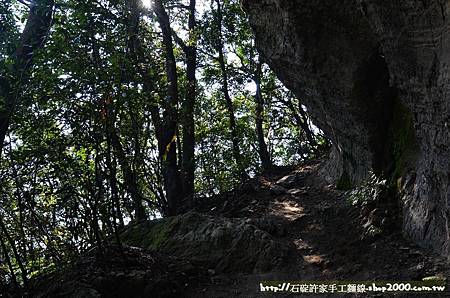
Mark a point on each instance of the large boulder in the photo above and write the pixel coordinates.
(216, 243)
(374, 77)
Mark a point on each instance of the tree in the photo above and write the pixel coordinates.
(259, 111)
(190, 51)
(169, 135)
(33, 37)
(130, 113)
(219, 46)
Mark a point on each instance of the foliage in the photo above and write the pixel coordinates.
(83, 129)
(367, 192)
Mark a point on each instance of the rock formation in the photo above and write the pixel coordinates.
(217, 243)
(374, 77)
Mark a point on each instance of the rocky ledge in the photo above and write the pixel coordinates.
(374, 76)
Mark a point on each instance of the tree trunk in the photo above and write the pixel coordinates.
(259, 113)
(130, 175)
(112, 175)
(33, 37)
(188, 161)
(136, 52)
(8, 262)
(301, 119)
(22, 268)
(228, 101)
(303, 123)
(131, 182)
(168, 148)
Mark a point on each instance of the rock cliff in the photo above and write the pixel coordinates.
(374, 76)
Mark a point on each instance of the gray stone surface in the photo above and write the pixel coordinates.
(287, 181)
(220, 244)
(374, 76)
(277, 189)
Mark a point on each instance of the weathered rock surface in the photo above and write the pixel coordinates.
(220, 244)
(328, 239)
(277, 189)
(118, 272)
(374, 76)
(288, 181)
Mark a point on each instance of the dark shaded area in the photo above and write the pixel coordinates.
(374, 100)
(118, 272)
(374, 76)
(323, 236)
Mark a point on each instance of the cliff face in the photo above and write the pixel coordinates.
(374, 76)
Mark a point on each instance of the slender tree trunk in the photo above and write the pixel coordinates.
(8, 262)
(262, 146)
(97, 194)
(21, 204)
(136, 52)
(230, 110)
(116, 210)
(130, 177)
(22, 268)
(115, 202)
(188, 161)
(303, 121)
(166, 128)
(228, 101)
(168, 148)
(33, 37)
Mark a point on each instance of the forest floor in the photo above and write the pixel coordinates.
(328, 236)
(323, 238)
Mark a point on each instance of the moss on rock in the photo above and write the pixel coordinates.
(150, 234)
(222, 244)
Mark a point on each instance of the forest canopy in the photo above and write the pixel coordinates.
(116, 111)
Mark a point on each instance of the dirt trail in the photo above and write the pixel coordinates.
(326, 234)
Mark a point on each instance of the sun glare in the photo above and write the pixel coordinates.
(147, 3)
